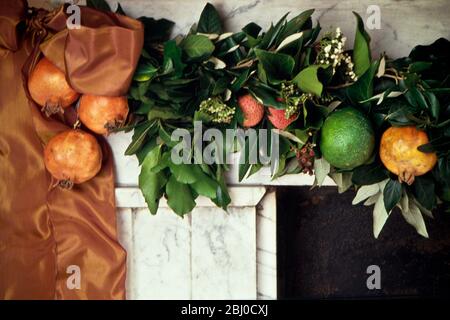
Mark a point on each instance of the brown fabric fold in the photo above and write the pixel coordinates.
(45, 230)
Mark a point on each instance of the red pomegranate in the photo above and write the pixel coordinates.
(73, 157)
(103, 114)
(49, 89)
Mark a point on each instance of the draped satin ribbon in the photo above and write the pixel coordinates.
(45, 232)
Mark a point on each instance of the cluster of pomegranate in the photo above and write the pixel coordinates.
(74, 156)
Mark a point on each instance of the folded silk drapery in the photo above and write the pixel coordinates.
(45, 231)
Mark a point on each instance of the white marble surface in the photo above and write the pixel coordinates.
(266, 246)
(224, 253)
(209, 254)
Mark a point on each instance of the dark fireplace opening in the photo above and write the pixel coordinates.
(325, 245)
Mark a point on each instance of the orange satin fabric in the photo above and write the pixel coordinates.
(45, 229)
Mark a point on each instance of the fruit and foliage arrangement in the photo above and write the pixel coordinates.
(378, 126)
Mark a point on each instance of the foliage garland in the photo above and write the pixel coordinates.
(201, 75)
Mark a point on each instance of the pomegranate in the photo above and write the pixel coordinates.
(103, 114)
(49, 89)
(399, 153)
(73, 157)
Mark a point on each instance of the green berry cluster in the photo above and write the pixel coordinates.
(217, 110)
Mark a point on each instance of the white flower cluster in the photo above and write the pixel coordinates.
(332, 52)
(293, 99)
(217, 110)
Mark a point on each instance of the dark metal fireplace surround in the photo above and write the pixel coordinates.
(325, 246)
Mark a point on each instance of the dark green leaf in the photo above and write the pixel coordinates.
(369, 174)
(179, 197)
(209, 22)
(240, 81)
(424, 190)
(156, 31)
(419, 66)
(163, 114)
(139, 136)
(173, 52)
(362, 89)
(142, 152)
(151, 184)
(272, 36)
(252, 29)
(251, 145)
(296, 24)
(392, 194)
(278, 66)
(433, 104)
(361, 49)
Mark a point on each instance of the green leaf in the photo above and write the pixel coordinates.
(98, 4)
(155, 31)
(433, 104)
(362, 89)
(206, 186)
(183, 173)
(392, 194)
(308, 81)
(141, 154)
(296, 24)
(266, 97)
(174, 53)
(419, 66)
(222, 197)
(424, 190)
(139, 136)
(145, 72)
(244, 162)
(197, 46)
(239, 82)
(209, 22)
(252, 29)
(369, 174)
(273, 34)
(163, 114)
(179, 197)
(166, 137)
(278, 66)
(150, 183)
(187, 173)
(361, 49)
